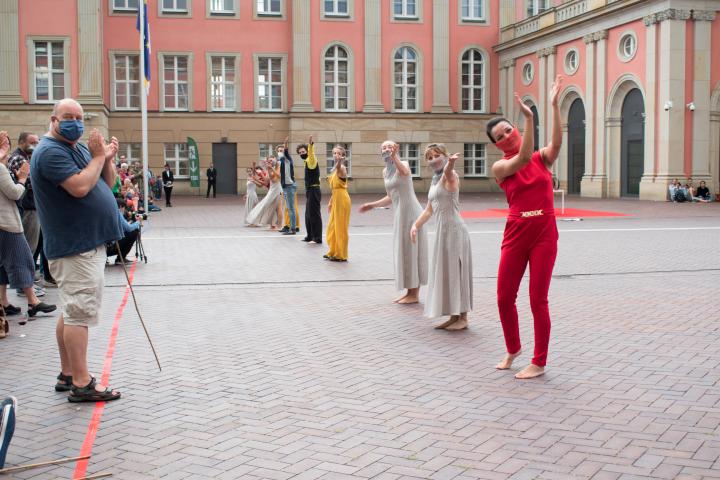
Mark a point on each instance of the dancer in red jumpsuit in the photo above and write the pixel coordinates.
(530, 231)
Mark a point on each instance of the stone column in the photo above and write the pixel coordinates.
(587, 187)
(671, 87)
(373, 77)
(90, 52)
(701, 95)
(510, 112)
(301, 56)
(9, 53)
(649, 170)
(551, 54)
(542, 94)
(601, 155)
(441, 57)
(503, 89)
(507, 13)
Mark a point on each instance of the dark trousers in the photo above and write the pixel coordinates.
(313, 217)
(126, 243)
(39, 252)
(168, 194)
(211, 184)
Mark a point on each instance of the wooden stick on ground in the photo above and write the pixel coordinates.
(97, 475)
(41, 464)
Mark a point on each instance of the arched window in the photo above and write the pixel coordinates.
(473, 81)
(405, 80)
(336, 82)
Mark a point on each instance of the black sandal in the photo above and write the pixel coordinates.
(88, 393)
(64, 383)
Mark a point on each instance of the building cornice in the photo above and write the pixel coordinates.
(545, 52)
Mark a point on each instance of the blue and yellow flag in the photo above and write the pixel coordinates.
(145, 33)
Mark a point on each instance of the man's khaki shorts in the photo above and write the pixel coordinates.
(80, 280)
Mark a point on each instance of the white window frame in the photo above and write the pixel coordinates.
(484, 19)
(283, 83)
(404, 153)
(267, 148)
(115, 54)
(536, 7)
(212, 13)
(208, 62)
(126, 149)
(30, 46)
(175, 161)
(483, 88)
(404, 85)
(527, 73)
(330, 161)
(161, 80)
(404, 17)
(334, 13)
(123, 10)
(258, 14)
(570, 69)
(174, 12)
(350, 76)
(470, 167)
(622, 54)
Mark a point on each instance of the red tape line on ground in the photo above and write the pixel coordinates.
(81, 467)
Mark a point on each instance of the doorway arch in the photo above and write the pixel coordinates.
(576, 146)
(632, 143)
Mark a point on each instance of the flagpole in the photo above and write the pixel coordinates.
(143, 102)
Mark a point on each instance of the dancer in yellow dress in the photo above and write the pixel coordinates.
(339, 209)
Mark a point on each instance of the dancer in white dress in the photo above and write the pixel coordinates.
(450, 285)
(265, 212)
(411, 258)
(251, 198)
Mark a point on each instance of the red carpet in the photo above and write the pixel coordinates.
(569, 212)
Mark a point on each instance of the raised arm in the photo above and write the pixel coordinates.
(550, 152)
(505, 168)
(403, 168)
(449, 176)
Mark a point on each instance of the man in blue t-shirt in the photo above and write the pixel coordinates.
(78, 215)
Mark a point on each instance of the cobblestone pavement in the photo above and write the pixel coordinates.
(278, 365)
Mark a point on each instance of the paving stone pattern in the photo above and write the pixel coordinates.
(279, 365)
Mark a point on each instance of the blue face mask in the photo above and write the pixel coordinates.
(71, 129)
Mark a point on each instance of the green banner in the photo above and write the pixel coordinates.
(194, 163)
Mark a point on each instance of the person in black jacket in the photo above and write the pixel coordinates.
(313, 216)
(167, 179)
(212, 178)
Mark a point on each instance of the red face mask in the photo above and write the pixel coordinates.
(510, 145)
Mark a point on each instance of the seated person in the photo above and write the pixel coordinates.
(702, 194)
(673, 188)
(131, 230)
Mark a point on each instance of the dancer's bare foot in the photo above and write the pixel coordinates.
(407, 299)
(401, 297)
(447, 323)
(508, 360)
(461, 324)
(531, 371)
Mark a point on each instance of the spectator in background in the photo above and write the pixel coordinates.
(673, 189)
(212, 179)
(16, 259)
(167, 180)
(702, 194)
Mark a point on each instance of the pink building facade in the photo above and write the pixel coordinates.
(238, 76)
(641, 101)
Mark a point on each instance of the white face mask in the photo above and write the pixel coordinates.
(281, 155)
